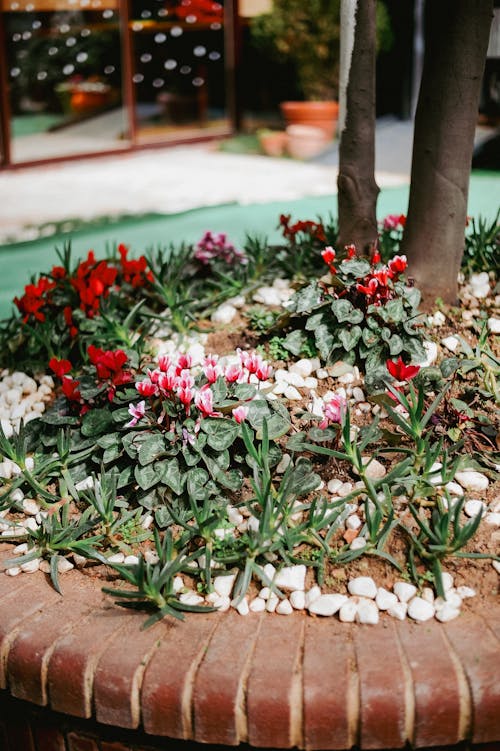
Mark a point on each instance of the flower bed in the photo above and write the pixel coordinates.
(209, 475)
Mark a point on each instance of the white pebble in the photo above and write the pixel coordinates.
(190, 598)
(285, 461)
(465, 592)
(451, 343)
(131, 560)
(420, 610)
(493, 519)
(223, 585)
(291, 577)
(404, 591)
(494, 325)
(367, 612)
(452, 598)
(347, 613)
(474, 507)
(177, 584)
(428, 594)
(312, 595)
(221, 603)
(447, 613)
(30, 566)
(327, 605)
(472, 480)
(385, 599)
(302, 367)
(63, 565)
(298, 599)
(496, 566)
(30, 507)
(310, 382)
(353, 522)
(374, 469)
(321, 374)
(13, 571)
(292, 394)
(17, 495)
(334, 485)
(258, 605)
(116, 558)
(8, 430)
(86, 484)
(284, 608)
(224, 314)
(454, 488)
(357, 543)
(398, 610)
(272, 603)
(431, 353)
(447, 580)
(358, 394)
(21, 549)
(363, 586)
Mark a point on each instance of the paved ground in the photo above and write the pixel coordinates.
(169, 180)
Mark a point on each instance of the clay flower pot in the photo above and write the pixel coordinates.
(305, 141)
(273, 143)
(322, 115)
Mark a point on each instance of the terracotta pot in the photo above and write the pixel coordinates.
(322, 115)
(273, 143)
(85, 101)
(305, 141)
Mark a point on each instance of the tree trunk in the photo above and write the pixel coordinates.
(456, 41)
(357, 189)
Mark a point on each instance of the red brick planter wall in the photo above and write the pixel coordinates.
(265, 680)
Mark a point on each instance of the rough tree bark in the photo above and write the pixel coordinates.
(456, 41)
(357, 189)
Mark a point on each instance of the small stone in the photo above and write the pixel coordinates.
(258, 605)
(272, 603)
(398, 610)
(298, 599)
(223, 585)
(334, 485)
(13, 571)
(404, 591)
(353, 522)
(312, 595)
(294, 379)
(221, 603)
(86, 484)
(63, 565)
(385, 599)
(374, 469)
(493, 519)
(438, 319)
(435, 473)
(358, 394)
(31, 566)
(241, 607)
(291, 577)
(420, 610)
(464, 592)
(265, 593)
(177, 584)
(116, 558)
(447, 580)
(344, 489)
(327, 605)
(321, 374)
(363, 586)
(310, 382)
(451, 343)
(131, 560)
(17, 496)
(428, 595)
(431, 353)
(447, 613)
(494, 325)
(80, 560)
(302, 368)
(8, 430)
(267, 296)
(190, 598)
(21, 549)
(292, 394)
(284, 607)
(454, 488)
(367, 612)
(452, 598)
(496, 566)
(365, 407)
(358, 543)
(347, 613)
(480, 284)
(475, 507)
(472, 480)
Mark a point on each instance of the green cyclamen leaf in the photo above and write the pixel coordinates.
(221, 432)
(152, 447)
(350, 337)
(196, 480)
(96, 422)
(295, 341)
(146, 477)
(170, 474)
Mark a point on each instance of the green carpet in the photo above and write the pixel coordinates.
(19, 261)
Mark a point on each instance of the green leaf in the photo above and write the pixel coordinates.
(151, 448)
(393, 311)
(277, 425)
(342, 309)
(146, 477)
(219, 390)
(196, 480)
(221, 432)
(313, 321)
(244, 391)
(170, 474)
(96, 422)
(325, 340)
(302, 478)
(354, 267)
(395, 345)
(350, 337)
(295, 341)
(370, 337)
(121, 415)
(108, 440)
(307, 298)
(450, 365)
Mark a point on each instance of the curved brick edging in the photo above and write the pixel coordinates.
(269, 681)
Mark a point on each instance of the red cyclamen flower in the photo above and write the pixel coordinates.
(400, 371)
(60, 367)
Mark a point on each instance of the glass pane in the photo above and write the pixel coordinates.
(64, 68)
(178, 71)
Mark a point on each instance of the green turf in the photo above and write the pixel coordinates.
(19, 261)
(28, 125)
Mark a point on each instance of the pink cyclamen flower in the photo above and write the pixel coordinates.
(233, 373)
(204, 400)
(240, 413)
(334, 411)
(164, 363)
(137, 411)
(184, 362)
(146, 388)
(186, 396)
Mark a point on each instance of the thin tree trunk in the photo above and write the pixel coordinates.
(357, 189)
(456, 41)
